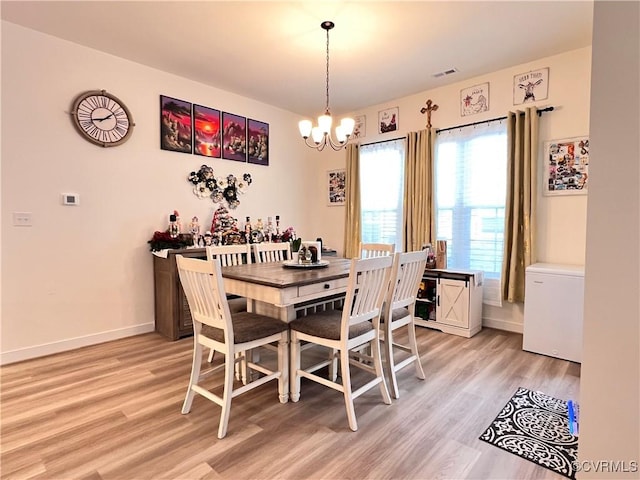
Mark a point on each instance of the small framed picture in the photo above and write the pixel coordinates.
(257, 142)
(336, 182)
(234, 137)
(531, 86)
(474, 99)
(360, 128)
(206, 131)
(388, 120)
(175, 125)
(566, 166)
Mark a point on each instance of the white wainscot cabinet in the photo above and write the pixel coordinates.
(450, 301)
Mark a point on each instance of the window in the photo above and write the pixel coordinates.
(471, 176)
(382, 191)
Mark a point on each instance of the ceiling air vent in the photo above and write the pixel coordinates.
(446, 72)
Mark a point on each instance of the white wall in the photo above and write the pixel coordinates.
(610, 380)
(83, 274)
(561, 219)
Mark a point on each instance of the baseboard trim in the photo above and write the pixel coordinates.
(73, 343)
(506, 325)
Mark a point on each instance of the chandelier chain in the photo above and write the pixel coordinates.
(327, 90)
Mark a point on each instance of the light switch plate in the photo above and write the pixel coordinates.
(22, 219)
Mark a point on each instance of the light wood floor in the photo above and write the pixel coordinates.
(112, 411)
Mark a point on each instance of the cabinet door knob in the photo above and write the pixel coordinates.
(327, 286)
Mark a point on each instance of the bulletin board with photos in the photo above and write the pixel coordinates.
(566, 166)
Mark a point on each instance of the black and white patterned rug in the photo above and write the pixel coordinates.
(535, 427)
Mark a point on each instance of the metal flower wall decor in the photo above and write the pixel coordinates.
(218, 189)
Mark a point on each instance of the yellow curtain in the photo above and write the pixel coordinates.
(419, 209)
(520, 208)
(352, 235)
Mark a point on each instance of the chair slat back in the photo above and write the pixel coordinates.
(203, 286)
(271, 252)
(369, 250)
(230, 254)
(406, 276)
(368, 284)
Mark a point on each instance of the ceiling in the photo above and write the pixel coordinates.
(274, 52)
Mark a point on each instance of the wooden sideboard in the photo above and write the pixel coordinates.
(173, 317)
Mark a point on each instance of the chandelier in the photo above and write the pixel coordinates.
(321, 135)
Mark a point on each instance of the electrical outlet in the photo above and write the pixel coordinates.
(22, 219)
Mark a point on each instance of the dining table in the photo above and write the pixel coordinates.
(282, 289)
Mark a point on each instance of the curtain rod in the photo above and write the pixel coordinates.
(539, 112)
(382, 141)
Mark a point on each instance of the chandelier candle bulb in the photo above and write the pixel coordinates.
(305, 127)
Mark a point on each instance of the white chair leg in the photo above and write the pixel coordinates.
(294, 376)
(346, 384)
(333, 366)
(195, 375)
(377, 363)
(283, 366)
(245, 372)
(413, 344)
(389, 364)
(239, 367)
(229, 372)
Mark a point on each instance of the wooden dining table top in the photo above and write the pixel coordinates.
(277, 275)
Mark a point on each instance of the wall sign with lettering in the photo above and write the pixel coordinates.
(531, 86)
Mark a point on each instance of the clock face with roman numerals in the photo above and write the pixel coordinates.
(102, 118)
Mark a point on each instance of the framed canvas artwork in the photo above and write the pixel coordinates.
(360, 127)
(258, 142)
(566, 166)
(531, 86)
(234, 137)
(336, 183)
(388, 120)
(175, 125)
(206, 131)
(474, 99)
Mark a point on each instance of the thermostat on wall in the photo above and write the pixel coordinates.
(70, 199)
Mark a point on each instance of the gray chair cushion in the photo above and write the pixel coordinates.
(398, 314)
(327, 325)
(247, 327)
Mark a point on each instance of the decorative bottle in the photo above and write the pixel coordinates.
(269, 230)
(174, 230)
(247, 229)
(178, 221)
(278, 237)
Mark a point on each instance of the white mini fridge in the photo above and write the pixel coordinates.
(553, 310)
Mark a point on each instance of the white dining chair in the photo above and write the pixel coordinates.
(271, 252)
(368, 250)
(344, 331)
(215, 327)
(231, 255)
(398, 312)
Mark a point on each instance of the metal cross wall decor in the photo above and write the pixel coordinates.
(431, 107)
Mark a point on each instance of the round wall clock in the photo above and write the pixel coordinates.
(102, 118)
